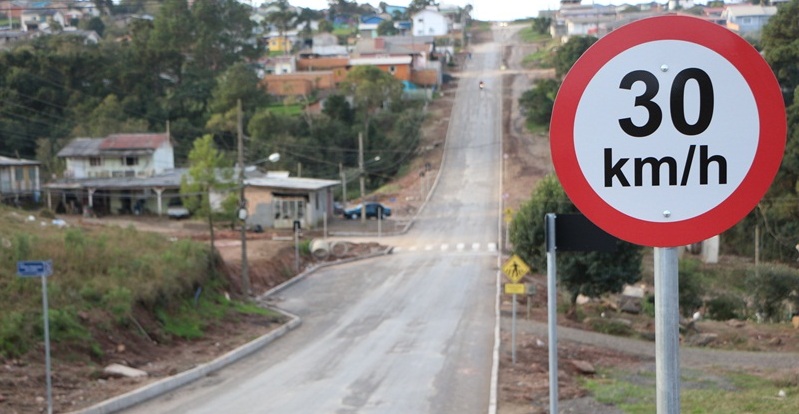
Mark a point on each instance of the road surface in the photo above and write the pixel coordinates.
(411, 332)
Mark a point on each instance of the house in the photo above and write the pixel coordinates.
(19, 178)
(399, 66)
(430, 22)
(33, 19)
(747, 19)
(300, 83)
(277, 201)
(118, 155)
(367, 28)
(67, 18)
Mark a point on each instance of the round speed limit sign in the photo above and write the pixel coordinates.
(668, 131)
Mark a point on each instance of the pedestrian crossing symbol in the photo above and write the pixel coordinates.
(515, 268)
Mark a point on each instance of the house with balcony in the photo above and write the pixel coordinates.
(118, 155)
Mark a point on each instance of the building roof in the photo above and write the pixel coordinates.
(388, 60)
(750, 10)
(134, 141)
(291, 183)
(81, 147)
(16, 161)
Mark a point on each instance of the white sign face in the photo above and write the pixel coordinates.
(668, 131)
(666, 167)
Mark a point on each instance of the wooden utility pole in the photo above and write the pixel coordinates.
(242, 213)
(362, 173)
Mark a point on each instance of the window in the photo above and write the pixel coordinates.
(288, 209)
(19, 174)
(128, 161)
(95, 161)
(392, 69)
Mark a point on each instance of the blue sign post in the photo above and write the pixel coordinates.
(42, 269)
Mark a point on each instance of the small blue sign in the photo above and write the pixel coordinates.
(35, 268)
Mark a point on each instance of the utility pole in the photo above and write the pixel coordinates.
(242, 213)
(362, 173)
(343, 185)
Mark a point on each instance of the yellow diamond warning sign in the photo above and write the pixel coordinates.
(515, 268)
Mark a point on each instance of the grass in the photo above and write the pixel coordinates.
(703, 392)
(286, 109)
(529, 36)
(101, 271)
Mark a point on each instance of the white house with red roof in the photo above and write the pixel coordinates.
(118, 155)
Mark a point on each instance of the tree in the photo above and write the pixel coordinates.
(209, 172)
(538, 102)
(780, 48)
(588, 273)
(325, 26)
(283, 18)
(541, 25)
(108, 118)
(568, 54)
(371, 89)
(386, 28)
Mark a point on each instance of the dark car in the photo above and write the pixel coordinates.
(371, 209)
(338, 208)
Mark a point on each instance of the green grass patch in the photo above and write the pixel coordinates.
(703, 392)
(105, 271)
(286, 109)
(529, 36)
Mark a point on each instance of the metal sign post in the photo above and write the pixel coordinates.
(42, 269)
(552, 312)
(515, 269)
(667, 330)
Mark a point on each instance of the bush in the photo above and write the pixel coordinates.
(771, 287)
(610, 327)
(726, 307)
(690, 286)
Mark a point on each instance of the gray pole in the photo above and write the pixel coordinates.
(47, 345)
(552, 313)
(513, 332)
(297, 249)
(667, 330)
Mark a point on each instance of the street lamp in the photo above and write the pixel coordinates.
(242, 213)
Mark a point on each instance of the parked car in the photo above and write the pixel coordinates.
(175, 210)
(371, 209)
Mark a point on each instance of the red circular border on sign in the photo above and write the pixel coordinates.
(768, 156)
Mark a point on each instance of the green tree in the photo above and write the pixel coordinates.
(541, 25)
(538, 102)
(780, 48)
(589, 273)
(107, 118)
(567, 55)
(372, 89)
(209, 172)
(325, 26)
(282, 19)
(386, 28)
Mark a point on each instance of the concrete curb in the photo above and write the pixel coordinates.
(168, 384)
(174, 382)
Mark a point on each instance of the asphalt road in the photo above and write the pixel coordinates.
(411, 332)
